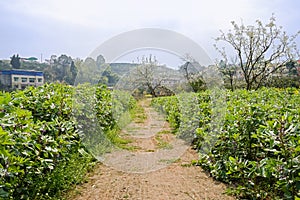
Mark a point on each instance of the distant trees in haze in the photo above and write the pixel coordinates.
(61, 69)
(15, 61)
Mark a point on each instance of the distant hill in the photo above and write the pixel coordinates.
(122, 68)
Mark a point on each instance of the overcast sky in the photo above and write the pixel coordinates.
(77, 27)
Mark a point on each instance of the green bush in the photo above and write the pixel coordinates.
(39, 143)
(257, 150)
(43, 136)
(168, 106)
(100, 114)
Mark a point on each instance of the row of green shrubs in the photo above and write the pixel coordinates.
(101, 114)
(256, 148)
(42, 134)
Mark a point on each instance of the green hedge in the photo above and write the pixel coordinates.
(41, 152)
(42, 134)
(257, 150)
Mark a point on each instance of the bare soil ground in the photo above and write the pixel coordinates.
(158, 167)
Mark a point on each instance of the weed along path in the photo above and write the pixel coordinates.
(154, 165)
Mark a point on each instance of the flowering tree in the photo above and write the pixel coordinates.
(261, 50)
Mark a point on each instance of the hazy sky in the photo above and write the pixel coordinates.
(76, 28)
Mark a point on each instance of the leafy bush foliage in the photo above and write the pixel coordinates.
(257, 150)
(41, 153)
(41, 144)
(100, 114)
(169, 106)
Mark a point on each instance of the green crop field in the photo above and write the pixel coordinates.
(42, 153)
(256, 149)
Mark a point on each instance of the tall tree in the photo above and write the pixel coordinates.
(262, 50)
(70, 79)
(100, 61)
(146, 75)
(15, 61)
(87, 71)
(108, 77)
(61, 69)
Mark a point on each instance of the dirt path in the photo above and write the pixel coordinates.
(158, 167)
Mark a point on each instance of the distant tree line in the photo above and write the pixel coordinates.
(65, 69)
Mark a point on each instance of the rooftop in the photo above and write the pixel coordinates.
(21, 72)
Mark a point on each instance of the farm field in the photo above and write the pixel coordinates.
(254, 146)
(251, 152)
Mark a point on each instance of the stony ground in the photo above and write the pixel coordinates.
(157, 166)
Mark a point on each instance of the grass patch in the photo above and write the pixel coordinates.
(132, 129)
(138, 114)
(164, 132)
(161, 144)
(114, 137)
(58, 183)
(129, 148)
(124, 119)
(192, 163)
(170, 161)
